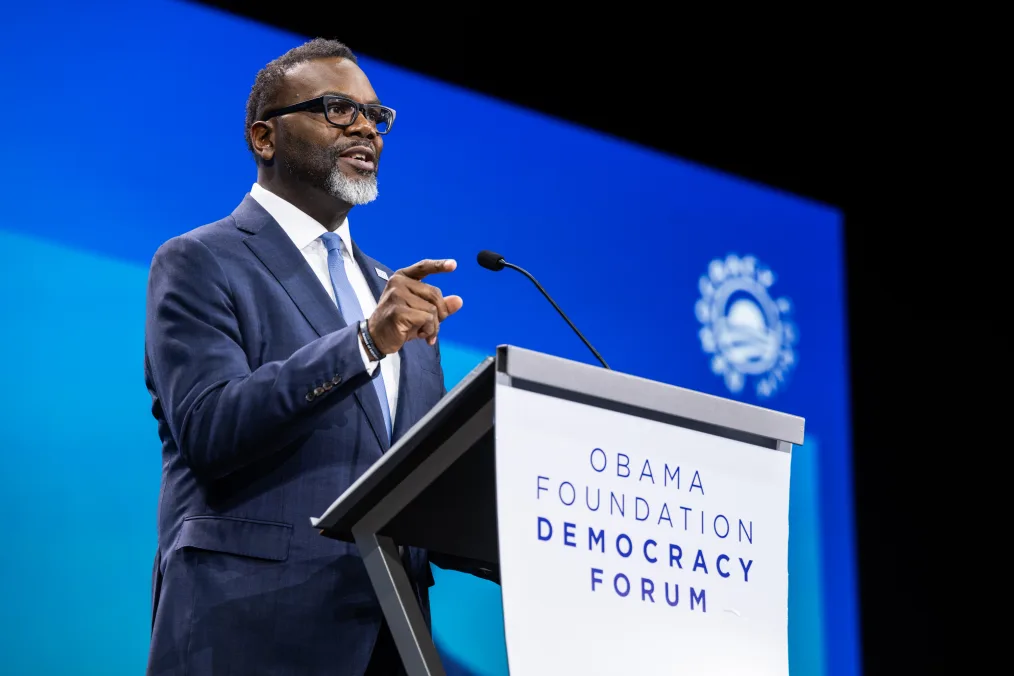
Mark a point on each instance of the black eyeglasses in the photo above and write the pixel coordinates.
(341, 112)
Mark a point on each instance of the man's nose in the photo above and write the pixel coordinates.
(362, 126)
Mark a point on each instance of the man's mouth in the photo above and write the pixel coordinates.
(362, 158)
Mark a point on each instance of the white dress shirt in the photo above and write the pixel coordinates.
(305, 233)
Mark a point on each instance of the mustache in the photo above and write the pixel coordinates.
(337, 150)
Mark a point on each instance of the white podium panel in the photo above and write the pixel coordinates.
(630, 546)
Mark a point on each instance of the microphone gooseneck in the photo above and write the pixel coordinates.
(495, 262)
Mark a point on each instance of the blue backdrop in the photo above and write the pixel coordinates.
(125, 127)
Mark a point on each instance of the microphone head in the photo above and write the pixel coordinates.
(490, 260)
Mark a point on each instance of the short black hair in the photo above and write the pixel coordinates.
(269, 79)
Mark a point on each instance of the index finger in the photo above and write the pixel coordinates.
(428, 267)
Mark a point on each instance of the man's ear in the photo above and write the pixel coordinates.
(262, 138)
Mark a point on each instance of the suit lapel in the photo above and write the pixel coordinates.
(408, 384)
(369, 268)
(286, 263)
(275, 249)
(410, 378)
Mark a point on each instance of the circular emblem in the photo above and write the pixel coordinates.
(749, 334)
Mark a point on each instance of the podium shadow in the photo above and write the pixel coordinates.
(452, 667)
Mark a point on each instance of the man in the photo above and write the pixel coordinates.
(282, 362)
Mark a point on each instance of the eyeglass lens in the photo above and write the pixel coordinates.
(342, 111)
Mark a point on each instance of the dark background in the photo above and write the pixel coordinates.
(846, 120)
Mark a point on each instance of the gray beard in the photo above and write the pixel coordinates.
(355, 191)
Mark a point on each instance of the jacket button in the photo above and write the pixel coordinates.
(328, 386)
(319, 391)
(337, 379)
(309, 396)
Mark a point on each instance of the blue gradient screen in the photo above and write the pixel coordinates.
(125, 128)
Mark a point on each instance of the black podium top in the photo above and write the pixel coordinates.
(455, 514)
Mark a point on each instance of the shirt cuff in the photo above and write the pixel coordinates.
(371, 365)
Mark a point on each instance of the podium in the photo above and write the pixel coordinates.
(634, 526)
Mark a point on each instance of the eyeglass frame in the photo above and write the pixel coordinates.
(321, 102)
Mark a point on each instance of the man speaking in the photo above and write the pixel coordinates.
(282, 362)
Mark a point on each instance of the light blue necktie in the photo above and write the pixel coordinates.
(351, 311)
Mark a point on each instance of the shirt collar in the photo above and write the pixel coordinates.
(301, 228)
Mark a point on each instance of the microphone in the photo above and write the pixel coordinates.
(495, 262)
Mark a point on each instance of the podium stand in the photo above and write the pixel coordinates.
(526, 443)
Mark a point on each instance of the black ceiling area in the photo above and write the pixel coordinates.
(814, 116)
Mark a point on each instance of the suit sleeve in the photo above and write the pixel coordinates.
(222, 414)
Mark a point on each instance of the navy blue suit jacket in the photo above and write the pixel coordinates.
(266, 415)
